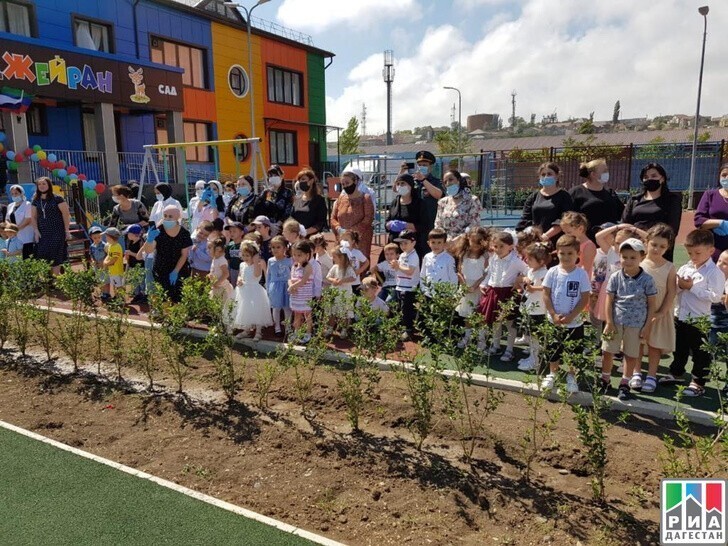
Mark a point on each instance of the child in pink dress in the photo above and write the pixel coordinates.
(300, 286)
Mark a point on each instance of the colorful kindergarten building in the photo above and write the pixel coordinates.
(96, 80)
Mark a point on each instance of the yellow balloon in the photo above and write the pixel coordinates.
(57, 190)
(42, 155)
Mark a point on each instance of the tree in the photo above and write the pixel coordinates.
(453, 141)
(615, 115)
(587, 128)
(349, 139)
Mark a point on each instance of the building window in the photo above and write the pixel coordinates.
(242, 152)
(283, 148)
(16, 18)
(36, 120)
(197, 132)
(190, 59)
(90, 143)
(238, 81)
(284, 86)
(92, 35)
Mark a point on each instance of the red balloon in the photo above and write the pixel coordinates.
(61, 164)
(100, 188)
(29, 152)
(19, 158)
(82, 177)
(71, 169)
(44, 163)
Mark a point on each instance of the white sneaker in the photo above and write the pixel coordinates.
(523, 340)
(526, 364)
(493, 349)
(547, 383)
(571, 384)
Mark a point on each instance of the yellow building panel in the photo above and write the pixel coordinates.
(229, 48)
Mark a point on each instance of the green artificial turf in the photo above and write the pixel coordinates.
(50, 496)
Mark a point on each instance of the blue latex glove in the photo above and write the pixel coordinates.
(208, 195)
(152, 234)
(722, 228)
(173, 276)
(397, 225)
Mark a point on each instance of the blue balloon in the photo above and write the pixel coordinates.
(89, 184)
(2, 136)
(73, 176)
(52, 158)
(34, 158)
(62, 173)
(10, 155)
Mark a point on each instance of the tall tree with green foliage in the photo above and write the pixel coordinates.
(349, 139)
(453, 141)
(615, 114)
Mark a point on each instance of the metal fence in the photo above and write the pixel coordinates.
(92, 164)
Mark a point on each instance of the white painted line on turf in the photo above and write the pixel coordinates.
(285, 527)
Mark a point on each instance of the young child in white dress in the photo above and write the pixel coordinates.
(340, 278)
(220, 277)
(252, 307)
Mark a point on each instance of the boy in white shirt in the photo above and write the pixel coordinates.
(408, 278)
(699, 284)
(438, 266)
(566, 290)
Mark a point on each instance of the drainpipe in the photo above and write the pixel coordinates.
(136, 27)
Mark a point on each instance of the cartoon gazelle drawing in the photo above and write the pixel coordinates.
(137, 78)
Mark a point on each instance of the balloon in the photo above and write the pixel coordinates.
(52, 158)
(19, 158)
(90, 194)
(62, 164)
(42, 154)
(89, 184)
(2, 136)
(34, 158)
(12, 166)
(2, 146)
(62, 173)
(73, 176)
(55, 172)
(57, 189)
(10, 155)
(82, 177)
(37, 148)
(67, 179)
(100, 188)
(72, 170)
(28, 152)
(43, 163)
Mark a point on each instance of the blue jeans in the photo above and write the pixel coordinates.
(149, 275)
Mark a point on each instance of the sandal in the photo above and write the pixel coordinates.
(669, 379)
(507, 356)
(636, 382)
(650, 385)
(694, 390)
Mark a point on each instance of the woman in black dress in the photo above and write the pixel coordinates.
(656, 204)
(593, 199)
(51, 223)
(172, 243)
(276, 201)
(405, 211)
(546, 205)
(240, 208)
(309, 206)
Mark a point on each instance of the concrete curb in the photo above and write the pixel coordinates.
(640, 407)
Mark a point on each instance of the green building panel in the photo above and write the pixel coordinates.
(317, 101)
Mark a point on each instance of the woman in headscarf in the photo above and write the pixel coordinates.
(353, 210)
(276, 201)
(309, 206)
(241, 207)
(171, 244)
(163, 195)
(19, 213)
(459, 209)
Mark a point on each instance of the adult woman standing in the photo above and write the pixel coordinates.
(51, 221)
(459, 209)
(163, 195)
(240, 208)
(712, 213)
(353, 211)
(171, 244)
(20, 213)
(127, 211)
(546, 205)
(656, 204)
(309, 206)
(405, 211)
(276, 202)
(591, 198)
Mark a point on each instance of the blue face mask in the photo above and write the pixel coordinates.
(424, 169)
(723, 184)
(160, 197)
(244, 191)
(547, 181)
(169, 224)
(17, 198)
(453, 190)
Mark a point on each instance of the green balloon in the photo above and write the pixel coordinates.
(55, 172)
(67, 179)
(37, 148)
(12, 165)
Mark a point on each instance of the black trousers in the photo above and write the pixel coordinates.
(407, 305)
(690, 342)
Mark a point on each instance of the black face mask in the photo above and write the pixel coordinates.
(303, 186)
(350, 189)
(651, 185)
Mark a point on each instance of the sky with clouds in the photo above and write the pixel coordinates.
(568, 56)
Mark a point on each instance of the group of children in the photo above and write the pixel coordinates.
(622, 284)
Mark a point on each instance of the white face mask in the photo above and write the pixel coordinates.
(604, 178)
(274, 181)
(114, 198)
(404, 190)
(198, 193)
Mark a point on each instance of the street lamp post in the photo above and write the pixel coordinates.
(388, 76)
(460, 106)
(704, 12)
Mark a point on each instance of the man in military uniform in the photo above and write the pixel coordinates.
(430, 192)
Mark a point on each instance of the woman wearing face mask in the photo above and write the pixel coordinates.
(228, 194)
(712, 212)
(171, 244)
(217, 192)
(276, 201)
(546, 205)
(459, 209)
(405, 211)
(353, 211)
(193, 210)
(594, 199)
(163, 198)
(240, 208)
(309, 207)
(19, 213)
(127, 211)
(656, 204)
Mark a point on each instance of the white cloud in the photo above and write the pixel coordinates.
(557, 54)
(322, 14)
